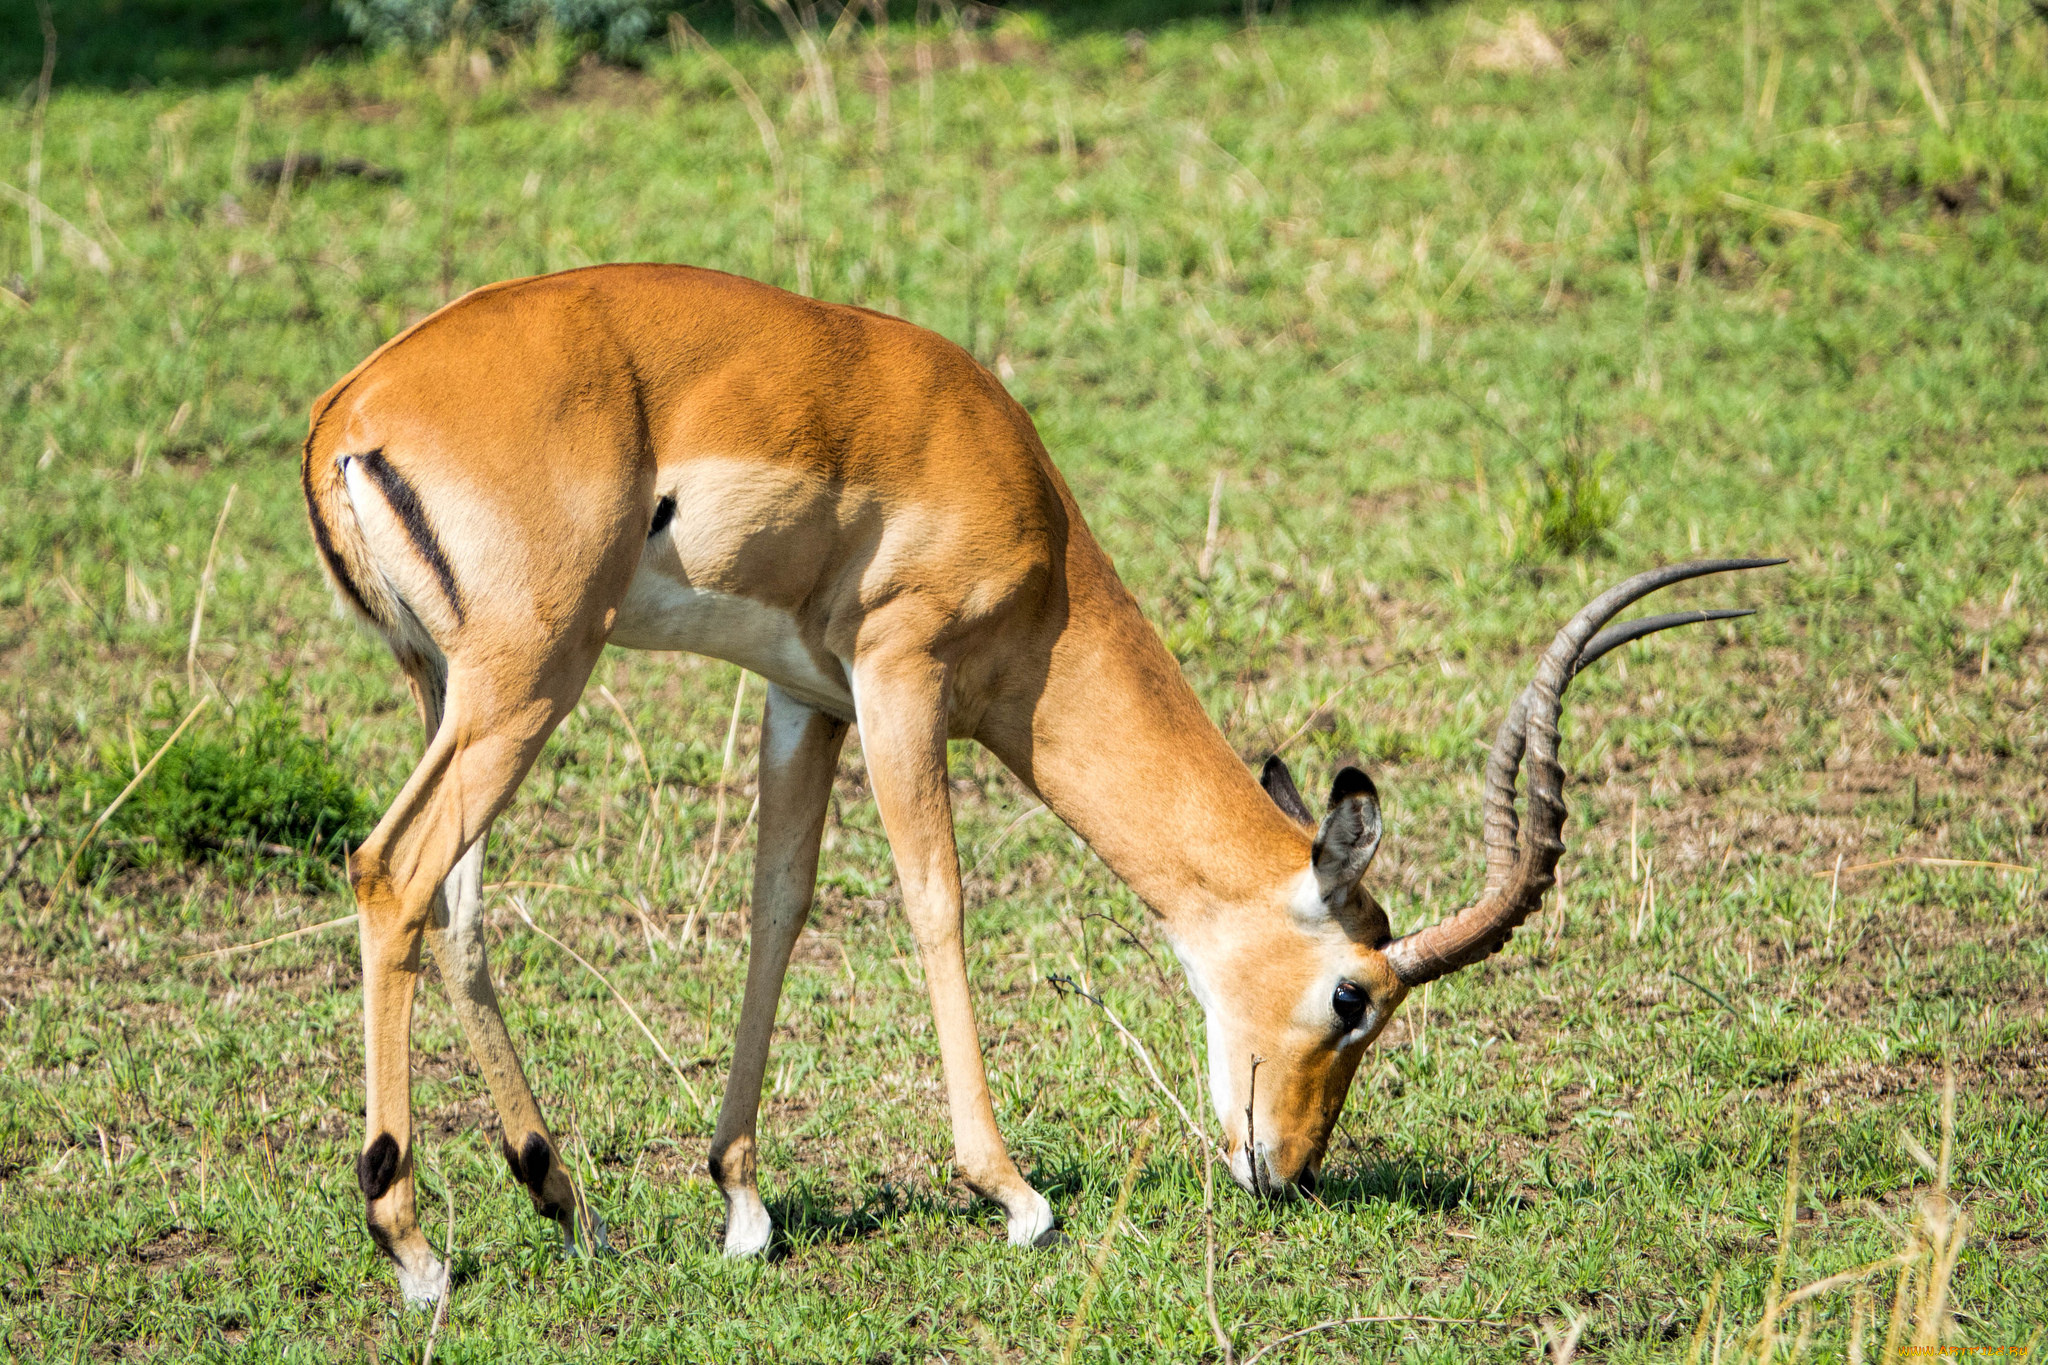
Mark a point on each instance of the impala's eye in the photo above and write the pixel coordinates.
(1349, 1001)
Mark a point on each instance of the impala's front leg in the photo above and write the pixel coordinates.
(901, 704)
(799, 755)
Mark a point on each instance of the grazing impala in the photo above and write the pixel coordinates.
(850, 506)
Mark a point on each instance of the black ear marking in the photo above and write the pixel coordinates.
(1279, 784)
(664, 513)
(1353, 782)
(377, 1168)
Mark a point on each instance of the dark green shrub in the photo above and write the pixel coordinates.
(254, 791)
(616, 24)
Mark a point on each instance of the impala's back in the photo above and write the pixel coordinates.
(786, 465)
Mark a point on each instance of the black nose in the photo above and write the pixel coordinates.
(1308, 1181)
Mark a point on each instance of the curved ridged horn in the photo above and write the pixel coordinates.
(1518, 871)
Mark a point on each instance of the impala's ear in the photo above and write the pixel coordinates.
(1279, 784)
(1350, 833)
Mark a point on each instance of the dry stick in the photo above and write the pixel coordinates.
(205, 587)
(232, 949)
(993, 848)
(626, 901)
(653, 787)
(519, 906)
(1064, 984)
(1207, 560)
(1335, 1323)
(1834, 899)
(732, 734)
(717, 861)
(81, 241)
(35, 139)
(1116, 1218)
(448, 1264)
(1908, 861)
(1774, 1305)
(1224, 1346)
(21, 852)
(64, 878)
(680, 32)
(823, 95)
(1251, 1128)
(1913, 64)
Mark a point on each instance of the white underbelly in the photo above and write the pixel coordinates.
(661, 613)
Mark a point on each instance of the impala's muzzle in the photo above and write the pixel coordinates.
(1277, 1173)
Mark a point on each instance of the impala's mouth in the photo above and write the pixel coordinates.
(1263, 1180)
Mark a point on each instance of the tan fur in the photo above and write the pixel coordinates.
(864, 515)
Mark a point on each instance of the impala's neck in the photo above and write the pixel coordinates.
(1120, 749)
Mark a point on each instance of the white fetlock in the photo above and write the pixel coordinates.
(424, 1288)
(1032, 1225)
(747, 1224)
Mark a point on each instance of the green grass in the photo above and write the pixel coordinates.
(1744, 286)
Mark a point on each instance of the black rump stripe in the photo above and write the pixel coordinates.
(405, 501)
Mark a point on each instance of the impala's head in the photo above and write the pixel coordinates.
(1296, 994)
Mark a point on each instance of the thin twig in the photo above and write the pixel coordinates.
(519, 906)
(1066, 984)
(266, 942)
(732, 733)
(1101, 1262)
(205, 587)
(447, 1268)
(35, 153)
(1336, 1323)
(21, 851)
(646, 769)
(1908, 861)
(81, 241)
(626, 901)
(1000, 840)
(1223, 1343)
(1207, 560)
(64, 878)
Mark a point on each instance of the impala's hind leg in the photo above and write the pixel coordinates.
(455, 934)
(799, 754)
(494, 724)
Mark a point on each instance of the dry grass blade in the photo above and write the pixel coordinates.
(1101, 1261)
(732, 735)
(64, 879)
(519, 907)
(1914, 65)
(447, 1261)
(1335, 1323)
(680, 33)
(22, 848)
(1783, 216)
(639, 748)
(1911, 861)
(823, 93)
(205, 587)
(1206, 561)
(232, 949)
(82, 242)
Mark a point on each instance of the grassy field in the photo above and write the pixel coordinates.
(1457, 313)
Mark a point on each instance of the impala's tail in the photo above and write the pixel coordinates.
(379, 550)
